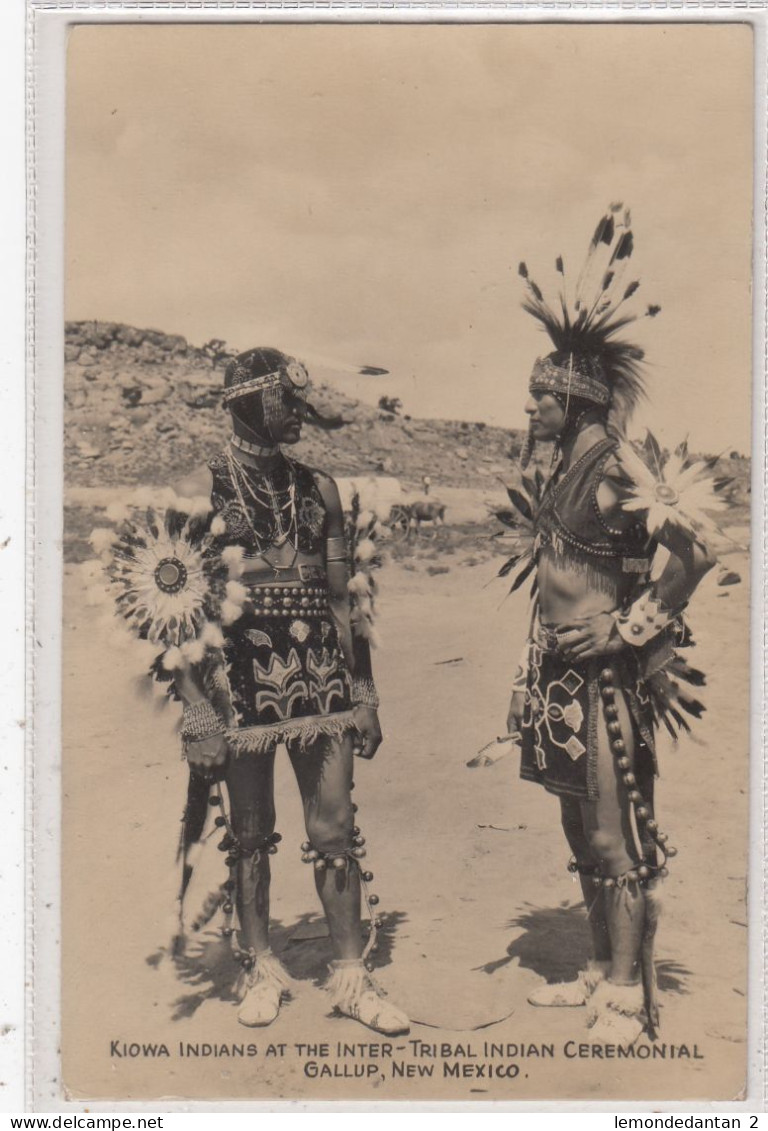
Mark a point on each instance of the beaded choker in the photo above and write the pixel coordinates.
(252, 449)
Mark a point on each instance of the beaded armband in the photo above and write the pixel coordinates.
(645, 618)
(336, 549)
(199, 721)
(364, 693)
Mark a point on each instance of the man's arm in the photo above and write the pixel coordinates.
(355, 648)
(663, 599)
(689, 558)
(659, 602)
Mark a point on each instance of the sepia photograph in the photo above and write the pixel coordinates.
(405, 671)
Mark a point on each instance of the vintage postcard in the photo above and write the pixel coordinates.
(405, 626)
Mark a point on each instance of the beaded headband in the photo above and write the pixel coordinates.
(292, 376)
(548, 377)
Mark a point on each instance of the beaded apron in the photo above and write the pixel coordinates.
(562, 713)
(283, 675)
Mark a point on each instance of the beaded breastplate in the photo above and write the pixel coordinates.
(262, 511)
(569, 519)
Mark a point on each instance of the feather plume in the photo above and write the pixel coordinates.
(589, 332)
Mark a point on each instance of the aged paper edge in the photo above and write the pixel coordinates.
(47, 24)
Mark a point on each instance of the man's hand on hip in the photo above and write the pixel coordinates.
(597, 635)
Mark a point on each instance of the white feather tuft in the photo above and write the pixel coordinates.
(173, 658)
(364, 551)
(233, 556)
(218, 526)
(236, 592)
(193, 651)
(199, 506)
(359, 585)
(212, 636)
(193, 854)
(230, 612)
(101, 539)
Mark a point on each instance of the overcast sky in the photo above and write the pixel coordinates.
(365, 194)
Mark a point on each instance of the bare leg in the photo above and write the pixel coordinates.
(609, 833)
(250, 781)
(594, 897)
(324, 773)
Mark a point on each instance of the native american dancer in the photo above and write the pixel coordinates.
(242, 578)
(616, 548)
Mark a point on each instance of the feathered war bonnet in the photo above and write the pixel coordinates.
(590, 361)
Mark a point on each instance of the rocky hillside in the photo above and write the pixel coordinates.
(144, 407)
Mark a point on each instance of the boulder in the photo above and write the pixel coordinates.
(129, 335)
(99, 334)
(174, 343)
(148, 352)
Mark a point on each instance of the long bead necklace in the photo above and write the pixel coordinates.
(238, 475)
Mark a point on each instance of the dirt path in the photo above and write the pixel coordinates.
(469, 866)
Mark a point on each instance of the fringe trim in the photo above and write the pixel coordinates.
(624, 1000)
(601, 580)
(267, 967)
(261, 739)
(348, 981)
(595, 973)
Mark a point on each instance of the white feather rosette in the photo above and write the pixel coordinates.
(170, 582)
(672, 488)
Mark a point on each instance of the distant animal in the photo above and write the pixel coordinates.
(426, 510)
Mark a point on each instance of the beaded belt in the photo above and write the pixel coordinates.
(288, 600)
(549, 640)
(305, 574)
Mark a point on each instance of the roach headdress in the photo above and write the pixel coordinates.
(590, 360)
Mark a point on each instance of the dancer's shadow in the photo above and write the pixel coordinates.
(307, 955)
(555, 944)
(208, 968)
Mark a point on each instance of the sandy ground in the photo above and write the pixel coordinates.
(470, 868)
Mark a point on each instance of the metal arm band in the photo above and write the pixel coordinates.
(336, 549)
(199, 721)
(644, 619)
(364, 693)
